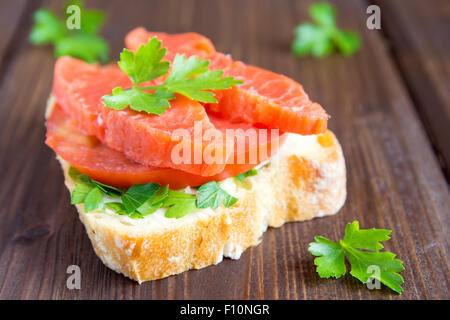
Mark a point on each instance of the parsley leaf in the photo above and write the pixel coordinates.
(93, 200)
(88, 191)
(47, 28)
(137, 195)
(189, 77)
(146, 64)
(212, 195)
(331, 256)
(117, 207)
(368, 239)
(332, 260)
(144, 199)
(138, 100)
(242, 176)
(323, 13)
(183, 79)
(83, 43)
(80, 192)
(311, 40)
(179, 204)
(322, 37)
(74, 174)
(91, 20)
(348, 42)
(86, 47)
(155, 202)
(108, 190)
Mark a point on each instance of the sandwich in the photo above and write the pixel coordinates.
(178, 156)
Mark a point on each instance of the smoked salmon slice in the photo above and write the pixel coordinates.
(101, 163)
(265, 97)
(189, 43)
(144, 138)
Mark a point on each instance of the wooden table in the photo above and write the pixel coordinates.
(390, 107)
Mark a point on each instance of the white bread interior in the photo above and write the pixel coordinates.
(304, 180)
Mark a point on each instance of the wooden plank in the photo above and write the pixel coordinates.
(394, 180)
(419, 32)
(10, 19)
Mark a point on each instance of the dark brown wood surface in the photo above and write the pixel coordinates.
(394, 177)
(417, 34)
(10, 17)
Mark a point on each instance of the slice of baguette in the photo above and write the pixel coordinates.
(304, 180)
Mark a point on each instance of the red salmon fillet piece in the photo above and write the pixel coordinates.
(147, 139)
(109, 166)
(189, 43)
(265, 97)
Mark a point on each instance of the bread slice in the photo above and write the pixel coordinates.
(304, 180)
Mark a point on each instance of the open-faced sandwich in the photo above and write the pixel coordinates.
(178, 155)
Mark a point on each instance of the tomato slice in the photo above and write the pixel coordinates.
(101, 163)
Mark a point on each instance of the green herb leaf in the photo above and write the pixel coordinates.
(323, 13)
(77, 177)
(106, 189)
(323, 37)
(137, 195)
(83, 43)
(74, 174)
(47, 28)
(212, 195)
(389, 267)
(242, 176)
(347, 42)
(80, 192)
(189, 77)
(179, 204)
(93, 200)
(149, 208)
(117, 207)
(368, 239)
(146, 64)
(120, 210)
(182, 80)
(144, 199)
(91, 20)
(86, 47)
(330, 261)
(136, 215)
(155, 202)
(138, 100)
(308, 37)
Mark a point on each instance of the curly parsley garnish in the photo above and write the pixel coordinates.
(361, 247)
(189, 77)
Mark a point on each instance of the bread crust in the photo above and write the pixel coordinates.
(304, 180)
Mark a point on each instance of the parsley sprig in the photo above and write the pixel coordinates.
(144, 199)
(212, 195)
(321, 38)
(361, 247)
(83, 43)
(189, 77)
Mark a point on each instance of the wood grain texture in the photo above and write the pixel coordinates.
(394, 179)
(10, 19)
(419, 32)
